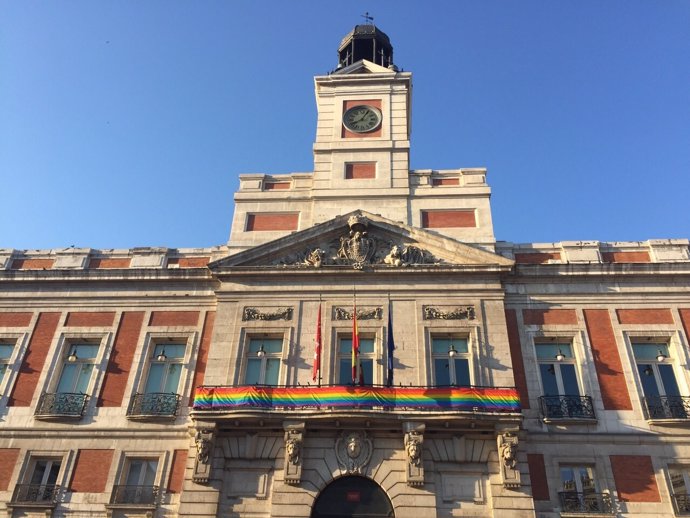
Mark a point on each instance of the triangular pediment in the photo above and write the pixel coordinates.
(362, 240)
(363, 66)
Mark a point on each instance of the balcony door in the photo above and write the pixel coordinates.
(658, 379)
(44, 475)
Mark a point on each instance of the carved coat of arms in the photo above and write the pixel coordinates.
(353, 450)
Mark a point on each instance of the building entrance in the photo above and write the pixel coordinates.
(353, 497)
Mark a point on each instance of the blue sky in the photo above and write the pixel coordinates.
(127, 123)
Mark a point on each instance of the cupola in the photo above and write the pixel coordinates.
(365, 42)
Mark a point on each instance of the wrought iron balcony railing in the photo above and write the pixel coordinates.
(668, 407)
(566, 407)
(138, 495)
(588, 503)
(157, 404)
(349, 397)
(682, 504)
(36, 494)
(61, 404)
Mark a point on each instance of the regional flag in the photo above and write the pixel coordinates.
(355, 346)
(317, 351)
(391, 346)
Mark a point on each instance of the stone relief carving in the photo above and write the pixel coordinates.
(353, 451)
(256, 314)
(507, 459)
(462, 313)
(413, 441)
(358, 248)
(203, 440)
(294, 435)
(340, 313)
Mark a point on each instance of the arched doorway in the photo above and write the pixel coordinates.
(352, 497)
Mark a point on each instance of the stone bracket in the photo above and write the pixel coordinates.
(294, 435)
(204, 439)
(414, 441)
(507, 459)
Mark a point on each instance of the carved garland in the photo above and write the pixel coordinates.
(340, 313)
(256, 314)
(462, 313)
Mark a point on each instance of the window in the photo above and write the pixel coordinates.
(139, 478)
(366, 360)
(6, 350)
(160, 397)
(263, 361)
(451, 360)
(658, 380)
(579, 492)
(41, 486)
(680, 482)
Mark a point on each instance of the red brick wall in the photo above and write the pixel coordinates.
(35, 357)
(190, 262)
(634, 476)
(91, 471)
(448, 218)
(202, 356)
(8, 460)
(32, 264)
(625, 257)
(360, 170)
(15, 319)
(114, 262)
(537, 258)
(540, 317)
(179, 463)
(445, 181)
(516, 357)
(537, 475)
(614, 391)
(685, 319)
(272, 221)
(274, 186)
(90, 319)
(174, 318)
(120, 363)
(376, 103)
(644, 316)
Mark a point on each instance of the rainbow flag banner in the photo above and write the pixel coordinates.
(466, 399)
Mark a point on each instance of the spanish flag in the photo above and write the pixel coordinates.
(317, 351)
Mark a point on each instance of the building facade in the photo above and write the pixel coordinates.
(362, 346)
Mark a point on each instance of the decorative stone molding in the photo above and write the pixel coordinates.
(507, 459)
(340, 313)
(294, 435)
(413, 441)
(461, 313)
(256, 314)
(353, 451)
(203, 440)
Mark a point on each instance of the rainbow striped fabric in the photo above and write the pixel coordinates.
(442, 398)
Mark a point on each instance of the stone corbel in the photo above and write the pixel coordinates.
(507, 459)
(204, 439)
(414, 441)
(294, 435)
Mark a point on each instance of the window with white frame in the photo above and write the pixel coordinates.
(366, 360)
(557, 369)
(451, 360)
(40, 481)
(6, 351)
(580, 493)
(165, 367)
(658, 379)
(138, 484)
(77, 366)
(680, 488)
(264, 356)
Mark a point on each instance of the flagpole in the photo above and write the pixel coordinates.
(320, 342)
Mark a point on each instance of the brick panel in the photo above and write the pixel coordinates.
(91, 471)
(120, 362)
(189, 262)
(8, 460)
(540, 317)
(174, 318)
(113, 262)
(614, 391)
(360, 171)
(276, 186)
(445, 181)
(644, 316)
(15, 319)
(448, 218)
(202, 356)
(516, 357)
(625, 257)
(685, 320)
(634, 476)
(537, 476)
(272, 221)
(537, 258)
(179, 463)
(376, 103)
(35, 357)
(32, 264)
(90, 319)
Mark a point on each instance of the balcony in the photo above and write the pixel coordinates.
(156, 404)
(682, 504)
(61, 404)
(668, 407)
(35, 495)
(561, 408)
(134, 495)
(573, 502)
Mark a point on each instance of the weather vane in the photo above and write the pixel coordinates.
(367, 18)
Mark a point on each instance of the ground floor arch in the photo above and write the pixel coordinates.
(352, 497)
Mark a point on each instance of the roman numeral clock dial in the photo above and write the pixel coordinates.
(362, 119)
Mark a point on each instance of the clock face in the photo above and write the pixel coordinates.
(362, 119)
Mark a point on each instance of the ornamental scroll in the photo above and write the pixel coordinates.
(458, 313)
(340, 313)
(256, 314)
